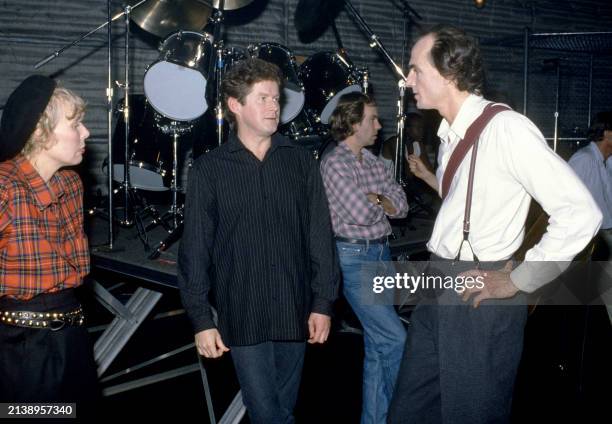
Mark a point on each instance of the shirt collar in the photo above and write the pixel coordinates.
(235, 145)
(44, 194)
(367, 157)
(471, 108)
(595, 149)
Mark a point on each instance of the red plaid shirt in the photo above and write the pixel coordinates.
(43, 247)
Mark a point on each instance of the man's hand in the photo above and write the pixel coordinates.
(416, 165)
(373, 198)
(210, 344)
(418, 168)
(318, 326)
(384, 202)
(497, 284)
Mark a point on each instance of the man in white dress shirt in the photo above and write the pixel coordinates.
(462, 352)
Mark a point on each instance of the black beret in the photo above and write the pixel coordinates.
(22, 112)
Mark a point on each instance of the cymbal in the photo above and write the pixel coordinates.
(161, 17)
(227, 5)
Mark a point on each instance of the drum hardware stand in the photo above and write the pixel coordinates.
(126, 184)
(131, 199)
(109, 96)
(175, 213)
(341, 50)
(219, 105)
(218, 67)
(365, 77)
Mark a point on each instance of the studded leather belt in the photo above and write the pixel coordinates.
(53, 321)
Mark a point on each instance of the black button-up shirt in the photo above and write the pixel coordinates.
(257, 243)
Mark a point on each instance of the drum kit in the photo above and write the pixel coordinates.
(177, 118)
(181, 108)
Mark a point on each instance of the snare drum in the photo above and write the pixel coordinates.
(175, 85)
(150, 148)
(293, 96)
(326, 77)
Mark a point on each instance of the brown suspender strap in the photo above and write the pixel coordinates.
(471, 136)
(469, 141)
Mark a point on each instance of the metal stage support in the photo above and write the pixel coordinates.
(127, 320)
(129, 316)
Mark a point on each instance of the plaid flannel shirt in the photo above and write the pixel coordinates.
(347, 182)
(43, 247)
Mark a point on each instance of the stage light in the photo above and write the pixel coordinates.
(479, 3)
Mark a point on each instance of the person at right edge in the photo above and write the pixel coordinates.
(593, 164)
(463, 348)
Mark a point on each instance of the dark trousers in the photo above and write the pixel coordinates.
(40, 365)
(269, 374)
(459, 363)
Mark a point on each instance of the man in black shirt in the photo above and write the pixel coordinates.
(258, 244)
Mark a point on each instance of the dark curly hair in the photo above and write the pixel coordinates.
(348, 112)
(239, 80)
(456, 55)
(601, 124)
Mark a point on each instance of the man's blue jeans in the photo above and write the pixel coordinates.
(269, 374)
(384, 334)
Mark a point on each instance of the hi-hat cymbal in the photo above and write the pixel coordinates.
(227, 5)
(161, 17)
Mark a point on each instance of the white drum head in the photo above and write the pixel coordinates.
(176, 92)
(331, 105)
(292, 104)
(140, 178)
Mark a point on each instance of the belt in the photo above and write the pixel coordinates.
(379, 240)
(53, 321)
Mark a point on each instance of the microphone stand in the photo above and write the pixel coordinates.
(375, 43)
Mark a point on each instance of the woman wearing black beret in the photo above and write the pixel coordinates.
(45, 354)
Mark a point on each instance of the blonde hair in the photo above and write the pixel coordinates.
(62, 100)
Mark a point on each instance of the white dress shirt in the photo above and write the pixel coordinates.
(514, 164)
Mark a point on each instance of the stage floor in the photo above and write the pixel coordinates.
(129, 256)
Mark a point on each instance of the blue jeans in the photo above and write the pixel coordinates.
(384, 334)
(269, 374)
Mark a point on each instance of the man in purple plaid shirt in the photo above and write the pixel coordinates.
(361, 196)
